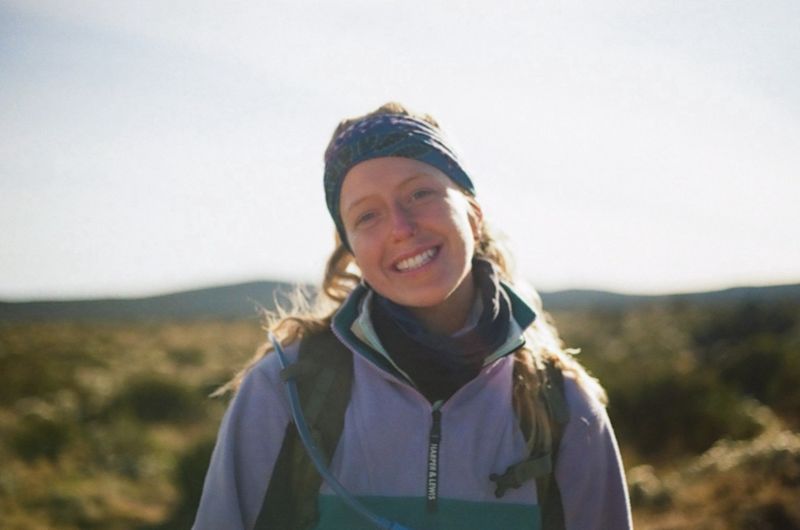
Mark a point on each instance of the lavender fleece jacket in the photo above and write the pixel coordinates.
(382, 456)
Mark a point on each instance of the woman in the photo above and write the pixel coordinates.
(449, 417)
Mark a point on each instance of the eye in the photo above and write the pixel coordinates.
(421, 193)
(365, 217)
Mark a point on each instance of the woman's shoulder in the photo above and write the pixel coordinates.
(585, 398)
(266, 372)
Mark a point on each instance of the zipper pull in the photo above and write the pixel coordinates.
(434, 440)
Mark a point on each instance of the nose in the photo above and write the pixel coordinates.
(403, 223)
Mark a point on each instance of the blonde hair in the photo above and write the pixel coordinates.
(342, 276)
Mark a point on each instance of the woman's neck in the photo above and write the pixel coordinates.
(450, 315)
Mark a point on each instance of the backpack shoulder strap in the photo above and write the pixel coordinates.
(324, 375)
(549, 493)
(541, 465)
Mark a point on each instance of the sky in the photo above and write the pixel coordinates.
(634, 146)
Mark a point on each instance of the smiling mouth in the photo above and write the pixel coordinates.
(415, 262)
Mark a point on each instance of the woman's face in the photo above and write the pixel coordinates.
(412, 231)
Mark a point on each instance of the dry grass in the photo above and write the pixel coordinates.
(735, 485)
(114, 471)
(118, 467)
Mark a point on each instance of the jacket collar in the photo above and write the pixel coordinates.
(351, 324)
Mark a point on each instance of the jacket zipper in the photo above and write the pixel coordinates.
(434, 441)
(434, 436)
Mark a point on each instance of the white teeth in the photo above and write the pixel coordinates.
(417, 261)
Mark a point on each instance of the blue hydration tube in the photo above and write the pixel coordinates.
(316, 456)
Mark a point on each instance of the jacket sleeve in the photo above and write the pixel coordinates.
(248, 443)
(589, 469)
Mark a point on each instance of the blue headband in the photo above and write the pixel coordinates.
(387, 135)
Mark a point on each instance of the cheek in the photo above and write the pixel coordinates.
(469, 230)
(366, 258)
(464, 217)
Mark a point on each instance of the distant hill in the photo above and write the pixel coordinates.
(243, 301)
(230, 301)
(591, 299)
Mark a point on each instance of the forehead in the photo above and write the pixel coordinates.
(385, 174)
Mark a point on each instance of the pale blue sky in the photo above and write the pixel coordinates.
(637, 146)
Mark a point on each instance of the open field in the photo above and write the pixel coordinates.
(107, 425)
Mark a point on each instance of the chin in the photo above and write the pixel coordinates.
(422, 296)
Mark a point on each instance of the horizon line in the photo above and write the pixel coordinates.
(293, 283)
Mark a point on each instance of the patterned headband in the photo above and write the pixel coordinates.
(387, 135)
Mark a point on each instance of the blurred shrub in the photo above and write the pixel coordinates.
(769, 516)
(28, 369)
(189, 475)
(37, 437)
(668, 414)
(72, 508)
(754, 349)
(157, 399)
(23, 375)
(747, 485)
(742, 321)
(678, 374)
(122, 446)
(646, 488)
(186, 356)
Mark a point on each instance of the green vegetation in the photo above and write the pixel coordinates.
(155, 399)
(108, 425)
(681, 377)
(694, 384)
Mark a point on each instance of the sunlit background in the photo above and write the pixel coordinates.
(642, 146)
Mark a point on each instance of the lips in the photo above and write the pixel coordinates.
(415, 262)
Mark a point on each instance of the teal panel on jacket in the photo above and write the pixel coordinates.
(411, 512)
